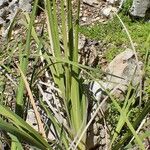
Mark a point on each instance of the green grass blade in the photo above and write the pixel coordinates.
(20, 100)
(75, 92)
(66, 50)
(125, 109)
(55, 45)
(16, 120)
(23, 135)
(136, 123)
(130, 126)
(70, 29)
(15, 143)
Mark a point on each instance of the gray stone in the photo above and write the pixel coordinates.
(2, 2)
(124, 70)
(121, 71)
(3, 11)
(25, 5)
(139, 8)
(13, 6)
(97, 87)
(1, 21)
(31, 120)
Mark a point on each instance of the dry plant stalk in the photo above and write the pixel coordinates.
(37, 114)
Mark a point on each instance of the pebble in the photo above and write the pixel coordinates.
(84, 19)
(106, 11)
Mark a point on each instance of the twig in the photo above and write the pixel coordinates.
(139, 128)
(37, 114)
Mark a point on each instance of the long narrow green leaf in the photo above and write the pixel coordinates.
(70, 29)
(56, 30)
(20, 100)
(19, 122)
(59, 76)
(15, 143)
(55, 42)
(66, 51)
(78, 100)
(22, 135)
(75, 95)
(121, 121)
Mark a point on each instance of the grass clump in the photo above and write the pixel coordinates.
(55, 59)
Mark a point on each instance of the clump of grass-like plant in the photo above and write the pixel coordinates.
(58, 53)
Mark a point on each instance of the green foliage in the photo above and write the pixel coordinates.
(114, 36)
(126, 7)
(20, 129)
(65, 75)
(64, 70)
(20, 102)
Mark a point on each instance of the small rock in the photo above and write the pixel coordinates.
(114, 9)
(31, 120)
(82, 41)
(84, 19)
(120, 72)
(97, 88)
(106, 11)
(103, 134)
(13, 6)
(95, 129)
(25, 5)
(112, 2)
(3, 12)
(123, 67)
